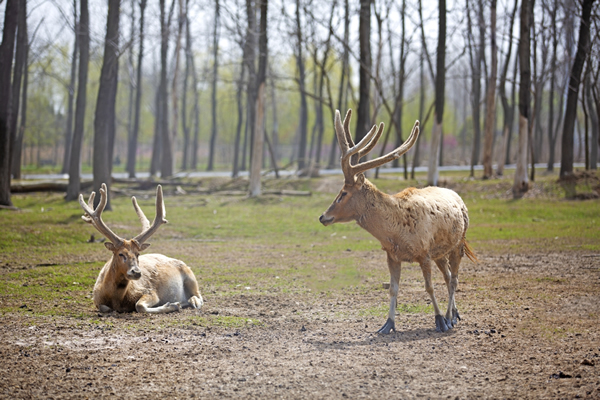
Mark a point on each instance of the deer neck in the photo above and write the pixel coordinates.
(373, 208)
(116, 278)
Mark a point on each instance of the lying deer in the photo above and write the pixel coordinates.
(415, 225)
(129, 282)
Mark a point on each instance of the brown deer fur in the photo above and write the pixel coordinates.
(129, 282)
(415, 225)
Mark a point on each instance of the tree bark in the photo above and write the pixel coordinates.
(175, 82)
(17, 145)
(213, 130)
(84, 57)
(521, 182)
(507, 108)
(20, 65)
(440, 80)
(71, 96)
(257, 155)
(11, 15)
(132, 147)
(490, 108)
(476, 85)
(184, 122)
(303, 120)
(363, 121)
(105, 105)
(583, 45)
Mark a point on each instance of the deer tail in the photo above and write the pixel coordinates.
(468, 251)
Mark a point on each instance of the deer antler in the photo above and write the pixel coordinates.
(353, 154)
(94, 217)
(159, 219)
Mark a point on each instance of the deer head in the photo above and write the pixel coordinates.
(125, 252)
(348, 203)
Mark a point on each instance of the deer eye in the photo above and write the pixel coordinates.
(123, 257)
(342, 195)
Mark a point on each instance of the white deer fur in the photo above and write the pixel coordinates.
(151, 283)
(415, 225)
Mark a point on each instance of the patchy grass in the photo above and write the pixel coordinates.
(239, 246)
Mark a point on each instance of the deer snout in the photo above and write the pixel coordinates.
(325, 220)
(134, 273)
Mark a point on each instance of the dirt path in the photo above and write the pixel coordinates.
(530, 329)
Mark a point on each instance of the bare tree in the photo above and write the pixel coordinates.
(82, 76)
(363, 121)
(18, 72)
(521, 182)
(490, 107)
(71, 96)
(440, 79)
(215, 75)
(11, 15)
(508, 108)
(583, 46)
(105, 105)
(132, 145)
(257, 154)
(184, 95)
(175, 81)
(303, 117)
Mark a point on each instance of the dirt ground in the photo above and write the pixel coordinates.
(530, 329)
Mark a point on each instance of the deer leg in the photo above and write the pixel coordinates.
(454, 258)
(395, 268)
(443, 266)
(146, 302)
(440, 322)
(191, 289)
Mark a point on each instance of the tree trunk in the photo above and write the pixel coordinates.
(71, 96)
(164, 137)
(593, 142)
(20, 65)
(440, 80)
(302, 131)
(215, 75)
(421, 110)
(343, 87)
(476, 87)
(553, 67)
(194, 160)
(399, 106)
(175, 82)
(250, 60)
(132, 84)
(257, 154)
(184, 122)
(132, 147)
(490, 108)
(84, 57)
(583, 45)
(17, 145)
(363, 121)
(521, 183)
(105, 105)
(11, 15)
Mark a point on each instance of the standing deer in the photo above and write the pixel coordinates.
(415, 225)
(128, 282)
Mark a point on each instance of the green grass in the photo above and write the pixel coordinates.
(260, 246)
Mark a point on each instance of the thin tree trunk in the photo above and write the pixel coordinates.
(593, 152)
(521, 182)
(184, 122)
(20, 65)
(11, 15)
(302, 132)
(343, 87)
(175, 82)
(364, 102)
(240, 116)
(166, 151)
(132, 147)
(440, 80)
(399, 106)
(84, 57)
(583, 45)
(490, 108)
(132, 85)
(476, 87)
(194, 158)
(215, 75)
(17, 145)
(71, 96)
(421, 110)
(105, 105)
(257, 154)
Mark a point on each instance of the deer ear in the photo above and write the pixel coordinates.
(144, 246)
(360, 180)
(110, 246)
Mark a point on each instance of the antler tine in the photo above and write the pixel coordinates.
(159, 219)
(372, 143)
(140, 214)
(347, 119)
(340, 132)
(94, 217)
(391, 155)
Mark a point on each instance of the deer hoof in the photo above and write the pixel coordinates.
(389, 326)
(196, 302)
(455, 317)
(440, 324)
(172, 307)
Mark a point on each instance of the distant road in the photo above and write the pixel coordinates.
(226, 174)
